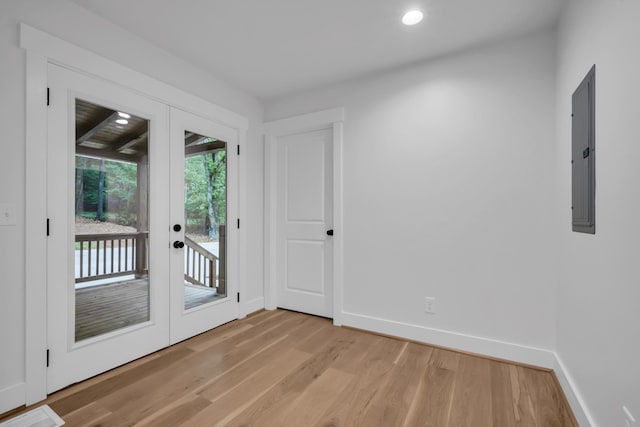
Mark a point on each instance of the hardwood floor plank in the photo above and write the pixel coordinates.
(208, 341)
(87, 415)
(445, 359)
(501, 395)
(243, 395)
(547, 401)
(244, 370)
(117, 383)
(279, 397)
(176, 413)
(214, 336)
(522, 405)
(471, 403)
(307, 409)
(139, 400)
(353, 402)
(432, 402)
(391, 406)
(351, 361)
(315, 343)
(259, 316)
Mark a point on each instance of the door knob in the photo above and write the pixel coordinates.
(178, 244)
(177, 227)
(329, 232)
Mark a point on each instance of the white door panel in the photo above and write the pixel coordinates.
(304, 266)
(76, 354)
(206, 268)
(305, 178)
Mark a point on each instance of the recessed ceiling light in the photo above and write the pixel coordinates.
(122, 121)
(124, 115)
(412, 17)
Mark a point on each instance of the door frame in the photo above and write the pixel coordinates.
(326, 119)
(42, 48)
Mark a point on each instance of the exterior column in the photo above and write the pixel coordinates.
(142, 217)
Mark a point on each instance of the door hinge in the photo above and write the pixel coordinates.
(238, 149)
(238, 222)
(47, 97)
(47, 358)
(238, 296)
(48, 226)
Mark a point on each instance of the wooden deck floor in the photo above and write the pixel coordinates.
(105, 308)
(279, 368)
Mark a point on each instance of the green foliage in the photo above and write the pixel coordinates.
(195, 189)
(118, 196)
(216, 165)
(205, 190)
(122, 180)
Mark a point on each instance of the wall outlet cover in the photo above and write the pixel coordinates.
(7, 214)
(430, 305)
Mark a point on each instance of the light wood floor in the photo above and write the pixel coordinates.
(282, 368)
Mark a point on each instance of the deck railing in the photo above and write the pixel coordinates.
(199, 265)
(204, 268)
(102, 256)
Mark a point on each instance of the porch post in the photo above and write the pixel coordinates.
(142, 217)
(222, 259)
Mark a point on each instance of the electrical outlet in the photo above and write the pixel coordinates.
(7, 214)
(430, 305)
(629, 419)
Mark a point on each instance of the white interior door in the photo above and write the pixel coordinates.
(108, 210)
(204, 234)
(304, 221)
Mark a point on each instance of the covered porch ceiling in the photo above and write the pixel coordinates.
(116, 135)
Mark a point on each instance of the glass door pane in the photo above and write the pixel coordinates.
(111, 220)
(205, 213)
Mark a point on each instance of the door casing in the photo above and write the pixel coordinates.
(327, 119)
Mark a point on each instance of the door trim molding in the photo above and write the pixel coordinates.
(326, 119)
(35, 229)
(65, 54)
(41, 49)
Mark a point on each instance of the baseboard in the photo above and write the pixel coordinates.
(252, 305)
(573, 395)
(11, 397)
(484, 346)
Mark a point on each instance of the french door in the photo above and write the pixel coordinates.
(118, 286)
(204, 189)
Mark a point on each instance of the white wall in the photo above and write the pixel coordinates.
(599, 293)
(448, 187)
(72, 23)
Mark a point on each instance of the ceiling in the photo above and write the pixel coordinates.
(99, 135)
(271, 48)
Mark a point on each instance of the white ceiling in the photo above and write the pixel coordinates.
(271, 48)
